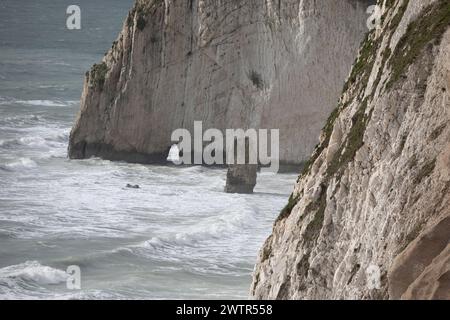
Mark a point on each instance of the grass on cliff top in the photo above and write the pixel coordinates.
(428, 28)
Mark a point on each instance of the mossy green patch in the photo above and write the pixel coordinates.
(327, 131)
(98, 75)
(318, 209)
(395, 21)
(286, 212)
(354, 141)
(141, 22)
(427, 29)
(385, 56)
(143, 10)
(364, 63)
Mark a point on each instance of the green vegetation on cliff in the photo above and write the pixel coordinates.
(426, 29)
(98, 75)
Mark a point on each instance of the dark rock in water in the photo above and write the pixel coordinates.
(241, 178)
(131, 186)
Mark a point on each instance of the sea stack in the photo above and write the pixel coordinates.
(241, 178)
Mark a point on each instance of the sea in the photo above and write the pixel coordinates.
(178, 236)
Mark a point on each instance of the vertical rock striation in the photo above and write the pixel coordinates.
(377, 187)
(231, 64)
(422, 270)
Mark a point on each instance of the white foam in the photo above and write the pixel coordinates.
(44, 103)
(33, 271)
(23, 118)
(24, 163)
(39, 103)
(53, 138)
(218, 227)
(174, 154)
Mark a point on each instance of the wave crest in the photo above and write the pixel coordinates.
(38, 103)
(33, 271)
(21, 163)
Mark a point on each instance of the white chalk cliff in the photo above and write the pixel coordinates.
(375, 196)
(369, 217)
(275, 64)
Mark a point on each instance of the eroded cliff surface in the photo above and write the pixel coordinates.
(377, 187)
(231, 64)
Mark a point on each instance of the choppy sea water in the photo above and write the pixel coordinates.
(178, 236)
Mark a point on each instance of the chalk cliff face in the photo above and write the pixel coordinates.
(375, 196)
(231, 64)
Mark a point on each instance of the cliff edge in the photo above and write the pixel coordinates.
(368, 218)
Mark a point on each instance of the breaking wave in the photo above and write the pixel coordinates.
(22, 163)
(37, 102)
(52, 139)
(31, 271)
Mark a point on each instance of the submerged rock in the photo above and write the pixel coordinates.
(133, 186)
